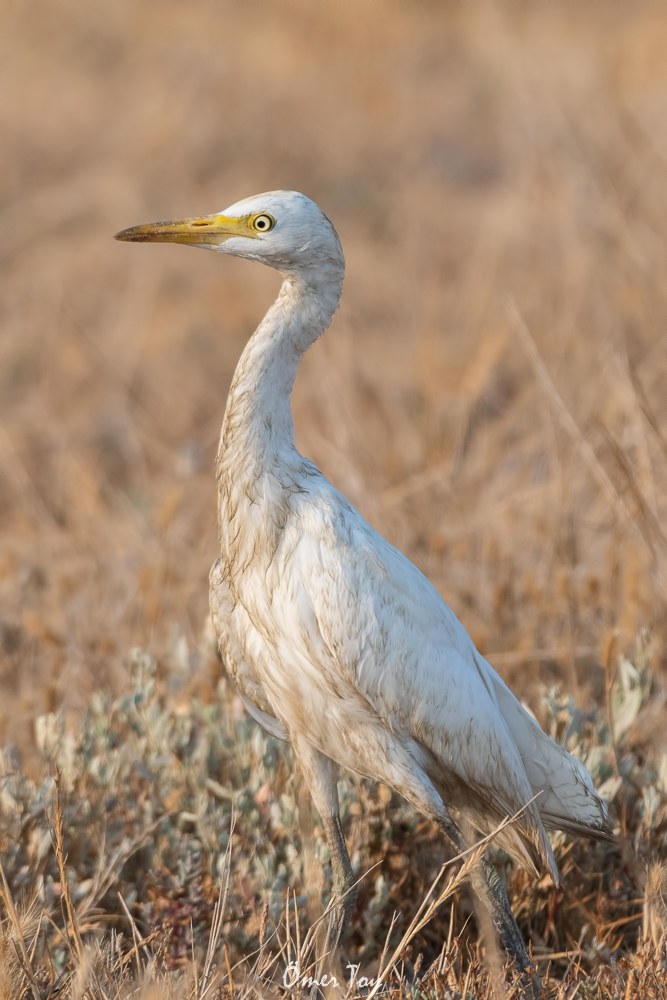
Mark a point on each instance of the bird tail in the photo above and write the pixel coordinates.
(567, 799)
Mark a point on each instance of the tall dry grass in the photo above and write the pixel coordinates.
(176, 849)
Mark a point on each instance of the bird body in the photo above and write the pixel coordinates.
(335, 640)
(334, 635)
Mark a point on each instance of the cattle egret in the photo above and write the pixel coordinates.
(335, 640)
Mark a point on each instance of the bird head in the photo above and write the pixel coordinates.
(283, 229)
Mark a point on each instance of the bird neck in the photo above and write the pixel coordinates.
(258, 426)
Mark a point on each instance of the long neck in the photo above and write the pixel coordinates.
(258, 423)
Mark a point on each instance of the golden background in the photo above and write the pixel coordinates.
(497, 174)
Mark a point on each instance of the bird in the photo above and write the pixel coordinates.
(335, 641)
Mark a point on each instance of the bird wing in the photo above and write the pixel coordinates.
(401, 647)
(568, 801)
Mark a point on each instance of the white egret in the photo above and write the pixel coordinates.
(335, 640)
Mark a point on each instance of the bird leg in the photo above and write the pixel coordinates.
(344, 896)
(490, 891)
(321, 774)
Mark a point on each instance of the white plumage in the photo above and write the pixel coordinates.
(336, 641)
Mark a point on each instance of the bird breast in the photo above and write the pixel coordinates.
(268, 628)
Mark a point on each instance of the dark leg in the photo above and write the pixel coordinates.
(491, 893)
(321, 775)
(343, 880)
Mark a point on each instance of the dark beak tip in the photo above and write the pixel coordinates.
(125, 235)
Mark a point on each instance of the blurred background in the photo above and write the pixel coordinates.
(492, 394)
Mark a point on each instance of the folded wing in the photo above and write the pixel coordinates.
(404, 650)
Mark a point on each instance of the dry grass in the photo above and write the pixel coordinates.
(176, 848)
(491, 396)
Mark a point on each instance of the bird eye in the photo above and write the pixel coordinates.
(263, 223)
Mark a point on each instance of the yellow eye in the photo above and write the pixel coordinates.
(263, 223)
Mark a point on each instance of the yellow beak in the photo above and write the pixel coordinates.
(209, 230)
